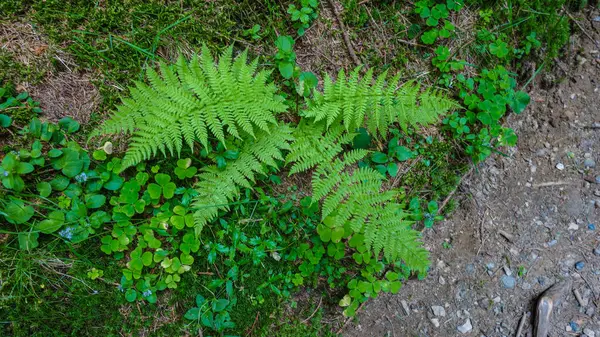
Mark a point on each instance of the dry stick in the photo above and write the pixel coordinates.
(392, 324)
(314, 312)
(445, 202)
(253, 324)
(521, 324)
(583, 30)
(350, 318)
(554, 183)
(353, 56)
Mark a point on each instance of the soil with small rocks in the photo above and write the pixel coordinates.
(527, 220)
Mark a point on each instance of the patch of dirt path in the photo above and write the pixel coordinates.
(544, 195)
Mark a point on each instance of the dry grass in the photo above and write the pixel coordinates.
(64, 91)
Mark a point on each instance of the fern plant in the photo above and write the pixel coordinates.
(375, 103)
(195, 101)
(217, 188)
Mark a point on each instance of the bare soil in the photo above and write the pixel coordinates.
(543, 198)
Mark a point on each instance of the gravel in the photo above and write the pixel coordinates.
(508, 282)
(465, 328)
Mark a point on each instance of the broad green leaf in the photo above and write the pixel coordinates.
(69, 124)
(286, 69)
(95, 201)
(53, 222)
(379, 158)
(192, 314)
(220, 305)
(59, 183)
(28, 240)
(16, 212)
(130, 295)
(147, 258)
(54, 153)
(114, 183)
(5, 121)
(44, 188)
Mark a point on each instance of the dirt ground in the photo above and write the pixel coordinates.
(544, 195)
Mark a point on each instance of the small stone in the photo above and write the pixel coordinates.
(490, 265)
(526, 286)
(597, 179)
(507, 270)
(597, 193)
(597, 251)
(435, 322)
(573, 227)
(568, 328)
(590, 311)
(579, 265)
(442, 280)
(542, 280)
(592, 227)
(438, 310)
(470, 268)
(496, 299)
(508, 282)
(551, 243)
(574, 326)
(589, 332)
(589, 163)
(465, 328)
(560, 166)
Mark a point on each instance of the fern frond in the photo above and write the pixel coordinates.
(217, 188)
(356, 102)
(193, 101)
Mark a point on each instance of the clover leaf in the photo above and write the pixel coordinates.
(519, 101)
(184, 169)
(163, 187)
(429, 37)
(499, 48)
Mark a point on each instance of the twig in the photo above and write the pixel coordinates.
(481, 239)
(521, 325)
(445, 202)
(392, 324)
(554, 183)
(582, 30)
(350, 318)
(314, 312)
(582, 303)
(253, 324)
(353, 56)
(506, 235)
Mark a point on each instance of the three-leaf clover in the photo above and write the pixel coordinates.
(184, 169)
(163, 187)
(499, 48)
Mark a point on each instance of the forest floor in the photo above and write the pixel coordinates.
(527, 220)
